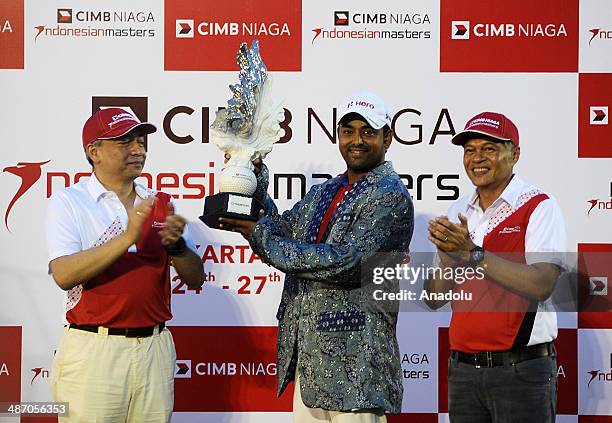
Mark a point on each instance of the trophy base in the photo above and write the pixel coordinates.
(232, 205)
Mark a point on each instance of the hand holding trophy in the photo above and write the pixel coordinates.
(246, 130)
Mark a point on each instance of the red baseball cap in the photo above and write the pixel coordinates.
(111, 123)
(492, 125)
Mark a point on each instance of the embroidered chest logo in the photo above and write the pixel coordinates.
(510, 230)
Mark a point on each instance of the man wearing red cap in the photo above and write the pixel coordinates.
(502, 366)
(111, 242)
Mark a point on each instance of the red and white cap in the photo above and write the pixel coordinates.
(111, 123)
(368, 105)
(491, 125)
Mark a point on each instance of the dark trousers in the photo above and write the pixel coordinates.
(512, 393)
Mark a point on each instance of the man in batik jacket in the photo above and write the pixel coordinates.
(343, 355)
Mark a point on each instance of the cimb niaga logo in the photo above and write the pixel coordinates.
(99, 23)
(232, 29)
(594, 130)
(341, 18)
(190, 34)
(64, 15)
(182, 369)
(598, 285)
(227, 368)
(598, 115)
(460, 30)
(600, 376)
(184, 28)
(386, 25)
(494, 39)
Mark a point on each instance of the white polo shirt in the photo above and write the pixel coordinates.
(86, 215)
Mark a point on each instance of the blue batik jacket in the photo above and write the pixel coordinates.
(348, 353)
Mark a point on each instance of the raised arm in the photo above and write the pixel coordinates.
(384, 223)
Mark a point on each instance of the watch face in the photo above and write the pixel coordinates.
(476, 255)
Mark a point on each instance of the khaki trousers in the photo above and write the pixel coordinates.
(111, 378)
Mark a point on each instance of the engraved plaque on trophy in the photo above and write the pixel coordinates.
(246, 130)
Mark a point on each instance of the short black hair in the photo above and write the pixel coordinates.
(356, 116)
(350, 117)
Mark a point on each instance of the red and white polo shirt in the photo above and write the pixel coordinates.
(135, 290)
(527, 224)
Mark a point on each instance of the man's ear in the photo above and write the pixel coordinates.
(516, 154)
(92, 153)
(388, 138)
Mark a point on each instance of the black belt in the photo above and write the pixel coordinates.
(499, 358)
(127, 332)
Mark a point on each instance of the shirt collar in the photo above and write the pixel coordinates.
(382, 170)
(510, 194)
(97, 190)
(342, 180)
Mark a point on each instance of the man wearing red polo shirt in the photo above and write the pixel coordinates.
(111, 242)
(502, 366)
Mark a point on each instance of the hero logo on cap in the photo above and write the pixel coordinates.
(359, 103)
(370, 106)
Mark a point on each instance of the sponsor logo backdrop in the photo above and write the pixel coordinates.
(546, 64)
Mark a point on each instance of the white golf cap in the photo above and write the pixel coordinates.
(370, 106)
